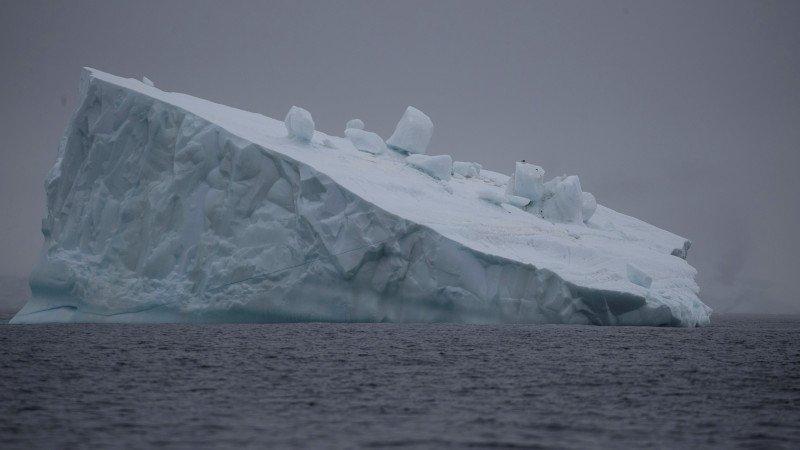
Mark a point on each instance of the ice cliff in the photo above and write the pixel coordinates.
(162, 207)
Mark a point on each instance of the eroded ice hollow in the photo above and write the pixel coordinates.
(162, 207)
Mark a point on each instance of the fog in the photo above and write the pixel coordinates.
(684, 114)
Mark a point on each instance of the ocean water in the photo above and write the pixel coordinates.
(733, 384)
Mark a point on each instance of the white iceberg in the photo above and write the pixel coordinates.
(466, 169)
(563, 201)
(527, 181)
(589, 205)
(439, 166)
(299, 124)
(356, 124)
(162, 207)
(365, 141)
(519, 202)
(413, 133)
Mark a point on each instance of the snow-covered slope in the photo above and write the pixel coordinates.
(165, 207)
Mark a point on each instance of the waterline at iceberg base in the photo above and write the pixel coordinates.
(162, 207)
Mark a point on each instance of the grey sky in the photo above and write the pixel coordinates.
(684, 114)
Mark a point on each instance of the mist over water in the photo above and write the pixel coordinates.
(734, 383)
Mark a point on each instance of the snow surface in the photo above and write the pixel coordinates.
(493, 196)
(166, 207)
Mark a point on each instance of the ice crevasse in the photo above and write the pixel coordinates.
(162, 207)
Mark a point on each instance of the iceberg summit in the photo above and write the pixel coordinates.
(162, 207)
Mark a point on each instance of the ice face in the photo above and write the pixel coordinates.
(566, 203)
(413, 133)
(589, 206)
(439, 167)
(528, 181)
(357, 124)
(466, 169)
(162, 207)
(365, 141)
(148, 82)
(299, 124)
(638, 277)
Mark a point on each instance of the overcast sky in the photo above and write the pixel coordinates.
(684, 114)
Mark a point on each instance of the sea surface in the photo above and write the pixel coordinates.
(735, 383)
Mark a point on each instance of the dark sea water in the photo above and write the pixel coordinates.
(733, 384)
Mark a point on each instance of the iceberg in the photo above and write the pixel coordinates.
(527, 181)
(519, 202)
(589, 206)
(299, 124)
(162, 207)
(357, 124)
(466, 169)
(413, 133)
(439, 166)
(366, 141)
(564, 200)
(637, 276)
